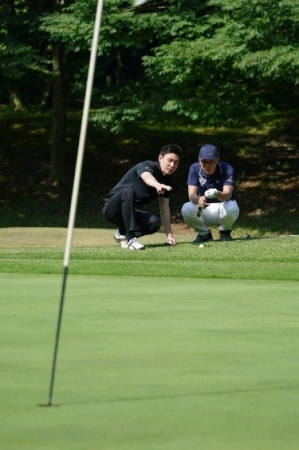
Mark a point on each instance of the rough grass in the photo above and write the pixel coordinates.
(272, 258)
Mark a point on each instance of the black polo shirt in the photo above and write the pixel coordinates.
(144, 193)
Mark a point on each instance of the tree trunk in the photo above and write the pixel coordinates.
(59, 115)
(15, 100)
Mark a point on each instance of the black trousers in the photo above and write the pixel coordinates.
(122, 211)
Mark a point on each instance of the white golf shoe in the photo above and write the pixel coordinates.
(119, 237)
(133, 244)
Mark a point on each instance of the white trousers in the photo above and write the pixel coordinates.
(223, 215)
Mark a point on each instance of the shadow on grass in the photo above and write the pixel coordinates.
(185, 395)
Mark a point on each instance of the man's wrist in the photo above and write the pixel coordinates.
(195, 200)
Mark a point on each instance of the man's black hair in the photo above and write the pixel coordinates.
(171, 148)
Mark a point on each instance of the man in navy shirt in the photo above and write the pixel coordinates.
(140, 185)
(212, 197)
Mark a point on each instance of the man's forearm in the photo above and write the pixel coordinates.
(219, 195)
(166, 220)
(150, 180)
(194, 198)
(223, 196)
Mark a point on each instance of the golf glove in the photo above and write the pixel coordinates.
(211, 193)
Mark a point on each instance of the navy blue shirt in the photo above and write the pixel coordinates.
(144, 193)
(224, 176)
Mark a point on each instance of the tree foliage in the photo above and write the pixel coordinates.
(215, 62)
(210, 61)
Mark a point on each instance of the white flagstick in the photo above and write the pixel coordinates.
(77, 178)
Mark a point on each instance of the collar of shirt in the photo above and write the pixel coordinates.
(217, 172)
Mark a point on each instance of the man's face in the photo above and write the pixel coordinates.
(208, 165)
(169, 163)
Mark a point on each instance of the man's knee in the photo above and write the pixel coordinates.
(154, 224)
(127, 194)
(187, 210)
(232, 206)
(229, 209)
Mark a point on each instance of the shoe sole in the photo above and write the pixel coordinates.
(135, 249)
(202, 242)
(132, 248)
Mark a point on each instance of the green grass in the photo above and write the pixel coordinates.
(171, 348)
(253, 259)
(150, 363)
(168, 349)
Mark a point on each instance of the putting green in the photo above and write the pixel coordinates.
(148, 363)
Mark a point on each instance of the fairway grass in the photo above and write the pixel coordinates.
(150, 363)
(94, 252)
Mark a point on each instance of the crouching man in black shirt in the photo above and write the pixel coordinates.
(140, 185)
